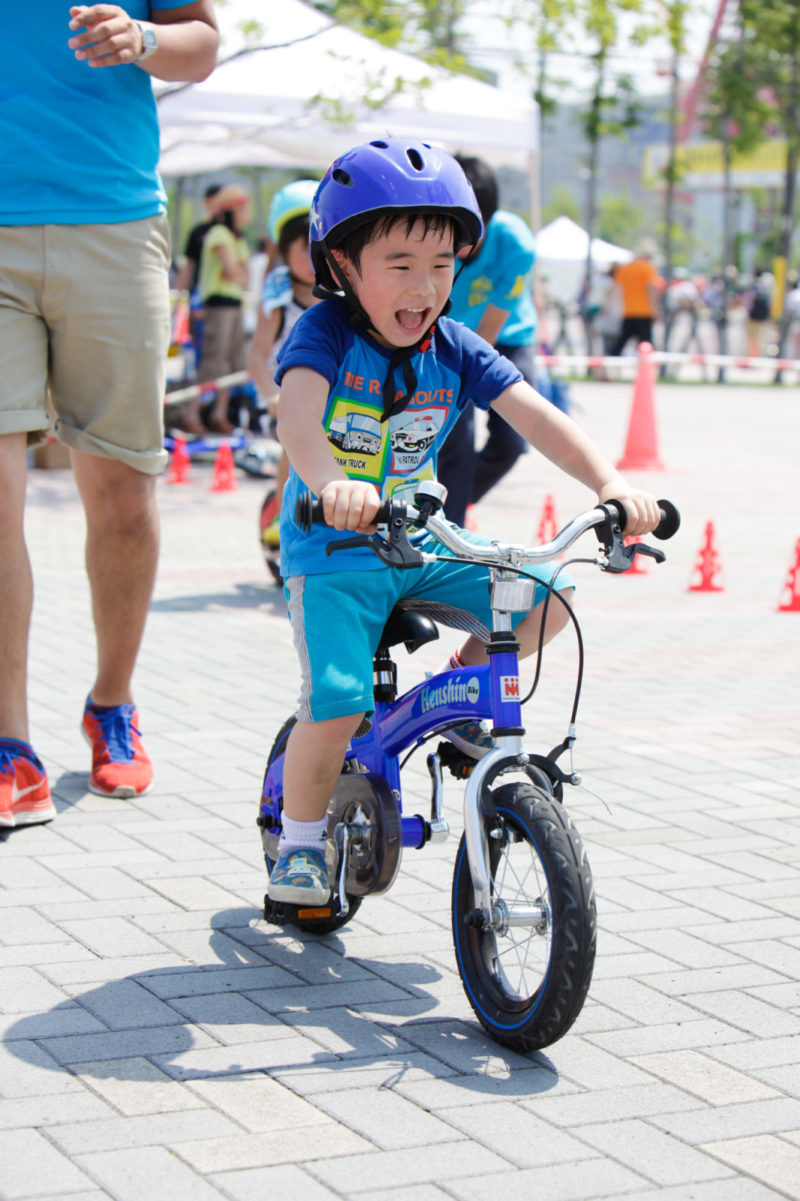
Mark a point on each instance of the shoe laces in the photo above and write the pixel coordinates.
(117, 729)
(9, 757)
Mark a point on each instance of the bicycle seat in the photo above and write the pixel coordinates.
(409, 627)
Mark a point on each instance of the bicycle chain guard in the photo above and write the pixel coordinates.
(367, 806)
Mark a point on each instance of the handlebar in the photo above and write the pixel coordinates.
(397, 551)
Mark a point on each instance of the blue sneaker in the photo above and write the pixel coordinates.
(300, 877)
(471, 738)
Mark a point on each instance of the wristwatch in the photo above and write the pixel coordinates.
(149, 40)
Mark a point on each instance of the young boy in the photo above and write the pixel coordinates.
(372, 380)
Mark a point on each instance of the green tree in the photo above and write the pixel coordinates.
(757, 89)
(612, 108)
(563, 204)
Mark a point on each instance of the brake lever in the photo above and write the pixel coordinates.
(619, 557)
(394, 551)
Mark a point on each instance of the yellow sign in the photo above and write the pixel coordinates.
(700, 165)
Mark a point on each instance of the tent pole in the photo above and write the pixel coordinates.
(534, 189)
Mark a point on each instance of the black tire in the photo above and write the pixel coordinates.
(527, 985)
(272, 555)
(314, 925)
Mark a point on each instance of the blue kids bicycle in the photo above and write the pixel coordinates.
(523, 907)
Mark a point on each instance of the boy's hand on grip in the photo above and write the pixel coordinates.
(641, 508)
(350, 505)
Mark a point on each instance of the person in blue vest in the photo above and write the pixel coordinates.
(493, 296)
(85, 323)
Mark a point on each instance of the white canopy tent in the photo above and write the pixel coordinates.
(314, 89)
(561, 250)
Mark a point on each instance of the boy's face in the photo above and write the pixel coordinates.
(403, 280)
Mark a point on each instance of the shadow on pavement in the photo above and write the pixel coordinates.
(266, 984)
(244, 596)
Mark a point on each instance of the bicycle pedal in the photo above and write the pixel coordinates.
(457, 763)
(274, 912)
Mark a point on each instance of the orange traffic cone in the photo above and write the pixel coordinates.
(790, 597)
(548, 525)
(637, 566)
(180, 324)
(641, 446)
(224, 471)
(179, 464)
(708, 566)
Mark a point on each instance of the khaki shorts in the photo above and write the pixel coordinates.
(84, 315)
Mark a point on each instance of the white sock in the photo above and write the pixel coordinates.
(453, 662)
(302, 835)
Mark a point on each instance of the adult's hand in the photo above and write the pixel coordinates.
(110, 36)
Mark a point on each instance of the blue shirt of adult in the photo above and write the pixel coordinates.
(501, 275)
(78, 144)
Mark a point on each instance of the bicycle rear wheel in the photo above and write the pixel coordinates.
(527, 973)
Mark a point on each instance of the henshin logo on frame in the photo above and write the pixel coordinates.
(450, 693)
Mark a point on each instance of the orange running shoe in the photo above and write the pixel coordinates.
(24, 791)
(120, 765)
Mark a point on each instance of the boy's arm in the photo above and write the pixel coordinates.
(565, 444)
(187, 39)
(349, 504)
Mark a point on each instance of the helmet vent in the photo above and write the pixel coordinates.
(342, 177)
(380, 145)
(415, 158)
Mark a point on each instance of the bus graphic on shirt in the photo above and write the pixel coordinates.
(356, 431)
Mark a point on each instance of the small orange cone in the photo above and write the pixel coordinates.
(179, 464)
(790, 597)
(708, 566)
(224, 470)
(180, 324)
(637, 567)
(641, 446)
(548, 525)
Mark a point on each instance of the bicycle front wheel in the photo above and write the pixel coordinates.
(527, 972)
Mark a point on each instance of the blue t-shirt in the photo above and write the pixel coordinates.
(393, 455)
(500, 275)
(78, 144)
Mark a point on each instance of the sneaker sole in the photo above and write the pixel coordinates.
(33, 817)
(291, 894)
(121, 792)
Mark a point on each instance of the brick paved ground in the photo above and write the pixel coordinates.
(161, 1041)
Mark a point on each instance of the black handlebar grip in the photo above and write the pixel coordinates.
(308, 512)
(670, 521)
(668, 525)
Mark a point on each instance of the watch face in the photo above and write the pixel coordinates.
(149, 40)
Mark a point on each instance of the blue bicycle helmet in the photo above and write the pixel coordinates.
(294, 200)
(388, 175)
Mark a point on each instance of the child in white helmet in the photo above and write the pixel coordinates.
(287, 293)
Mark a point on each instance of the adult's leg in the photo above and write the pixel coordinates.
(16, 590)
(622, 340)
(122, 538)
(456, 466)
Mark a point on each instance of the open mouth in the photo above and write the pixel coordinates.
(413, 321)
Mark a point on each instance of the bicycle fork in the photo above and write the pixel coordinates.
(510, 593)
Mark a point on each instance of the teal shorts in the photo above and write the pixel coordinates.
(338, 617)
